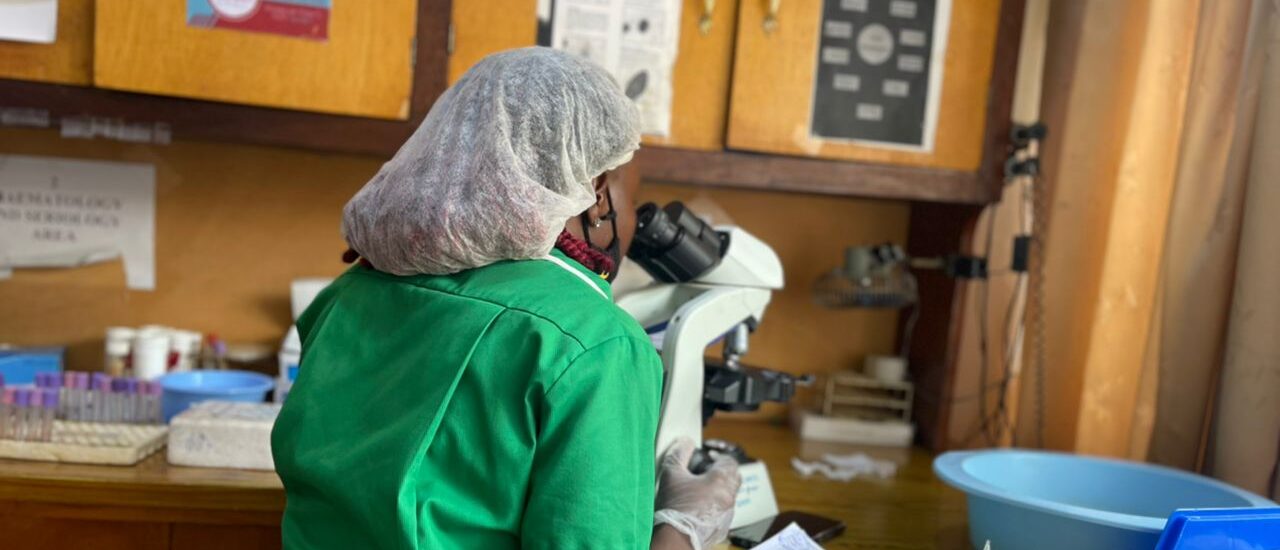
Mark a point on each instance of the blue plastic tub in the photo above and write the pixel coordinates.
(1049, 501)
(183, 389)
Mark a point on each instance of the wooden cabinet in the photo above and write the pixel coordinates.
(364, 68)
(772, 105)
(700, 77)
(69, 60)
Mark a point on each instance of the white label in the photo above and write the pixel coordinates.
(911, 63)
(853, 5)
(913, 38)
(838, 29)
(896, 88)
(835, 56)
(875, 44)
(234, 9)
(870, 111)
(846, 82)
(902, 8)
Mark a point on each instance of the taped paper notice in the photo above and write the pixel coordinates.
(297, 18)
(66, 213)
(29, 20)
(635, 40)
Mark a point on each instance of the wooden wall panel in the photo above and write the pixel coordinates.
(69, 60)
(771, 99)
(701, 76)
(365, 68)
(236, 223)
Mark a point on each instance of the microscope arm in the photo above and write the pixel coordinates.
(695, 324)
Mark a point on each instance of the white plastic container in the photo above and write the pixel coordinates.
(150, 355)
(223, 434)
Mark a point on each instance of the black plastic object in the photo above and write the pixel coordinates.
(1021, 253)
(966, 267)
(744, 388)
(674, 245)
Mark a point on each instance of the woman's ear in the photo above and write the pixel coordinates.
(601, 184)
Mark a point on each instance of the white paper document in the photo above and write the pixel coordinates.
(791, 538)
(29, 20)
(635, 40)
(66, 213)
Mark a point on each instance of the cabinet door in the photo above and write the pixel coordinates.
(69, 60)
(364, 67)
(866, 80)
(700, 78)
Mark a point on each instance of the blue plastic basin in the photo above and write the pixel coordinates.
(183, 389)
(1050, 501)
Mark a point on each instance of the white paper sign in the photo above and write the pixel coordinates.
(29, 20)
(64, 213)
(635, 40)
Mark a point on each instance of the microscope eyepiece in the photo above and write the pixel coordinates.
(673, 244)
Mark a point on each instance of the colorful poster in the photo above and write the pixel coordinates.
(296, 18)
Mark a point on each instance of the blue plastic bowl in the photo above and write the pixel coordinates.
(183, 389)
(1050, 501)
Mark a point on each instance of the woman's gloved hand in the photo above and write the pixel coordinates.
(698, 505)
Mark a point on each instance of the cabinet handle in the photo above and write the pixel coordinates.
(771, 18)
(704, 23)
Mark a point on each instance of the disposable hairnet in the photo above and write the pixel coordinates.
(505, 157)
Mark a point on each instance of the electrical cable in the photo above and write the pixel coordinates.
(1035, 298)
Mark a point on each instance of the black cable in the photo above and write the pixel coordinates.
(908, 329)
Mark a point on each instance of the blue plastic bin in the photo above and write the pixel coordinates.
(183, 389)
(1052, 501)
(1222, 529)
(20, 365)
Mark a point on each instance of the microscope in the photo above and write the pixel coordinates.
(711, 285)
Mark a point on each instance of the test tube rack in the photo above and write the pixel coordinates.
(854, 395)
(91, 443)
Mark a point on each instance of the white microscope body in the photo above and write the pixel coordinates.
(724, 302)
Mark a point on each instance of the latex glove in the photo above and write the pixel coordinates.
(698, 505)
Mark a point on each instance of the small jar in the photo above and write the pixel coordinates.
(116, 349)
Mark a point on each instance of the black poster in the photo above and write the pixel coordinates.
(875, 69)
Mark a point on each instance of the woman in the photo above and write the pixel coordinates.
(470, 384)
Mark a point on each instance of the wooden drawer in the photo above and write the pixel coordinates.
(364, 68)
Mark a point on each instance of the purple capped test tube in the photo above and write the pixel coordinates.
(116, 400)
(154, 394)
(48, 412)
(21, 402)
(133, 411)
(7, 409)
(99, 392)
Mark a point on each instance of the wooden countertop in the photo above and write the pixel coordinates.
(911, 510)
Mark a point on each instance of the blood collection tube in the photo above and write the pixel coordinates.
(134, 411)
(49, 412)
(7, 408)
(155, 393)
(115, 407)
(22, 402)
(99, 391)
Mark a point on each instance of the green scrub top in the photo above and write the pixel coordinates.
(510, 406)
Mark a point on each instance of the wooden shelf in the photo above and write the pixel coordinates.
(203, 120)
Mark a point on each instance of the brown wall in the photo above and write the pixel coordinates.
(234, 224)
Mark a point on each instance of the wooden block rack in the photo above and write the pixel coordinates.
(853, 395)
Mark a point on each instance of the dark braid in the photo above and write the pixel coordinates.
(579, 251)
